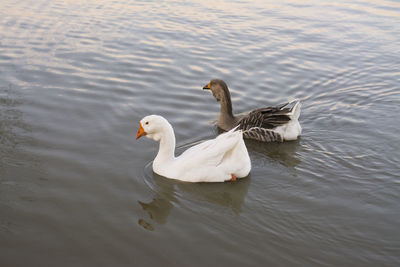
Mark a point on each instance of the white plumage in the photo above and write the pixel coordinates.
(217, 160)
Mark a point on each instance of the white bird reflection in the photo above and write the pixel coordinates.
(168, 193)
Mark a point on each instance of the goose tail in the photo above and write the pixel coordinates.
(236, 128)
(295, 110)
(232, 133)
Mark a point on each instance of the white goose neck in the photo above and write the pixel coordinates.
(166, 150)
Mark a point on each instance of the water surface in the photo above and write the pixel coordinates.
(77, 189)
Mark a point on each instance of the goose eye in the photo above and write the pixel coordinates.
(147, 123)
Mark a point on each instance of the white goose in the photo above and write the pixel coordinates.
(224, 158)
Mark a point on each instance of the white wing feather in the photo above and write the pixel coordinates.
(212, 152)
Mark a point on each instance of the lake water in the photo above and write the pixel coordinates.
(77, 189)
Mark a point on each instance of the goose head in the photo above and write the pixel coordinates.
(218, 88)
(153, 127)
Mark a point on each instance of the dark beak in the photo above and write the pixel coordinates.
(206, 87)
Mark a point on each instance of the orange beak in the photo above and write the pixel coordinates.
(206, 87)
(140, 132)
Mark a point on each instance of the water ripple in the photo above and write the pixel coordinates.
(77, 76)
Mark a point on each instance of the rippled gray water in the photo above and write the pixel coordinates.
(77, 189)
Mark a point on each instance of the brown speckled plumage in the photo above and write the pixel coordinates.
(259, 124)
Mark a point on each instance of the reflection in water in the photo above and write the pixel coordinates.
(160, 207)
(284, 153)
(226, 194)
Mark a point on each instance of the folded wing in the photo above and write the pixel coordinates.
(212, 152)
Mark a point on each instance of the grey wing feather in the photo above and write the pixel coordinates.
(262, 134)
(268, 117)
(259, 123)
